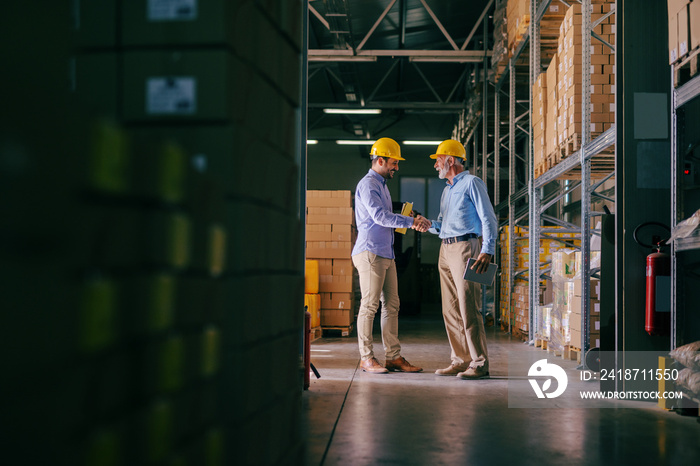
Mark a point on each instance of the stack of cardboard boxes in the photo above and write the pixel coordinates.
(551, 113)
(176, 238)
(570, 77)
(518, 19)
(539, 121)
(517, 311)
(562, 89)
(683, 29)
(330, 236)
(593, 317)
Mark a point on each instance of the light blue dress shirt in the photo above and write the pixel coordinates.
(375, 218)
(465, 208)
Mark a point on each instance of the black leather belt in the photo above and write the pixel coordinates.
(457, 239)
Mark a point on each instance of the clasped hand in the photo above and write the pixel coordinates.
(421, 224)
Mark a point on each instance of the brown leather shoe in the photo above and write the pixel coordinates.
(451, 370)
(472, 373)
(401, 365)
(373, 366)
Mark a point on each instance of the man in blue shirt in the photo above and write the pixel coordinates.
(466, 214)
(373, 257)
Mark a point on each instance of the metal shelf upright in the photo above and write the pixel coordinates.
(581, 159)
(680, 97)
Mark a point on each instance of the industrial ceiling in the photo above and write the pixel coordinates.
(416, 61)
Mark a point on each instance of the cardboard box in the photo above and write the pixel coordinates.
(575, 319)
(575, 339)
(319, 232)
(95, 24)
(325, 266)
(336, 318)
(594, 288)
(212, 22)
(95, 83)
(694, 17)
(182, 85)
(672, 37)
(337, 301)
(343, 267)
(335, 283)
(328, 249)
(683, 32)
(322, 198)
(330, 215)
(342, 232)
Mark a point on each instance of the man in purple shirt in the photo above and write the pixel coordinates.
(373, 256)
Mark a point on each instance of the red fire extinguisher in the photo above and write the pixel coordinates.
(657, 314)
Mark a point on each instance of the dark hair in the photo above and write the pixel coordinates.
(376, 157)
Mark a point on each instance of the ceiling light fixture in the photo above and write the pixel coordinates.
(352, 111)
(354, 142)
(422, 143)
(312, 141)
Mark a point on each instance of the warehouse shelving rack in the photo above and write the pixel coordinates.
(680, 98)
(582, 158)
(531, 193)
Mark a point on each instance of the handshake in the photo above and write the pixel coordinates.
(421, 223)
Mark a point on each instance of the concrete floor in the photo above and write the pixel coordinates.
(356, 418)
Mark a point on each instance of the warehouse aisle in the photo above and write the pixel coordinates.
(424, 419)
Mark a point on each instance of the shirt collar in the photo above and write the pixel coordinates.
(377, 176)
(457, 177)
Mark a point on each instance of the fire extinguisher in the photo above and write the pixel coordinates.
(657, 314)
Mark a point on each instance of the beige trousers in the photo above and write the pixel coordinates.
(461, 303)
(378, 285)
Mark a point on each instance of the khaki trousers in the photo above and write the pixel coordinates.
(461, 303)
(378, 284)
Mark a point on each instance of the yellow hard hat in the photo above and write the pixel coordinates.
(386, 147)
(452, 148)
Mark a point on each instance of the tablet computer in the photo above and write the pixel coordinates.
(485, 278)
